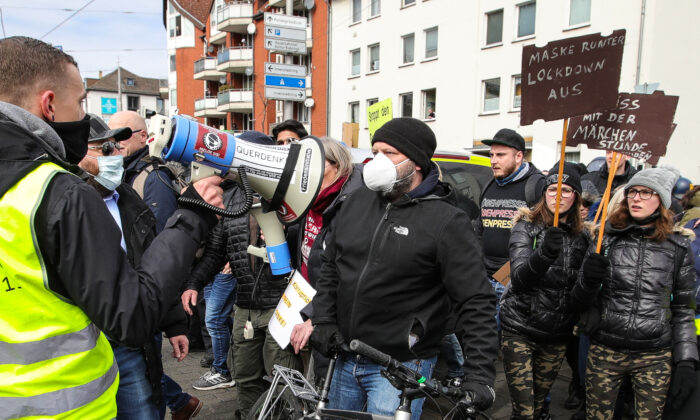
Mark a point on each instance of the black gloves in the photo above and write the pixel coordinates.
(595, 268)
(482, 395)
(326, 339)
(553, 241)
(682, 384)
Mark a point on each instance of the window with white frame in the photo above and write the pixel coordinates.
(408, 47)
(248, 121)
(406, 103)
(428, 96)
(526, 19)
(579, 12)
(516, 92)
(172, 63)
(494, 27)
(431, 42)
(356, 11)
(354, 112)
(303, 113)
(372, 101)
(373, 54)
(355, 62)
(407, 2)
(492, 94)
(175, 26)
(375, 8)
(173, 98)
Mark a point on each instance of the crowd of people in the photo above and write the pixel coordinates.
(100, 260)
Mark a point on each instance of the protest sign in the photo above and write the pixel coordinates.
(639, 126)
(297, 295)
(378, 115)
(571, 77)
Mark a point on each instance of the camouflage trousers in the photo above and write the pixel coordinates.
(650, 373)
(530, 370)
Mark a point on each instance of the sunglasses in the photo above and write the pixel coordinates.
(107, 147)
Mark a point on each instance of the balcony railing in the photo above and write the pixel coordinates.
(205, 69)
(235, 17)
(234, 60)
(236, 100)
(207, 107)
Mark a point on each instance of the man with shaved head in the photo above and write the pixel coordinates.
(151, 179)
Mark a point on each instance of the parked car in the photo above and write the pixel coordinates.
(467, 173)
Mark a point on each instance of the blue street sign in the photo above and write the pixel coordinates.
(109, 105)
(284, 81)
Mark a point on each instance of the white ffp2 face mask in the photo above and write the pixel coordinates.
(380, 173)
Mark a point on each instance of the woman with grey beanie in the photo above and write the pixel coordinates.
(642, 284)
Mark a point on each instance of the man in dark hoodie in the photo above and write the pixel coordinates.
(399, 259)
(67, 279)
(599, 179)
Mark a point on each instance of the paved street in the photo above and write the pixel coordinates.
(222, 403)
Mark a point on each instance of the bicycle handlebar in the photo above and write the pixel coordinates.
(396, 368)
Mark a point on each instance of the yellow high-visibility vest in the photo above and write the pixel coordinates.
(54, 362)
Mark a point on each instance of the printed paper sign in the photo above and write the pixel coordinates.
(297, 295)
(571, 77)
(640, 126)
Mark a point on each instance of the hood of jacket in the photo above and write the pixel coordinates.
(32, 124)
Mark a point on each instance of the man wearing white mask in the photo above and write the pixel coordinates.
(399, 259)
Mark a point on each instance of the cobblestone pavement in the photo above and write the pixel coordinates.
(221, 404)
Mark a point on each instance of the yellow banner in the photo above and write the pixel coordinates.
(378, 114)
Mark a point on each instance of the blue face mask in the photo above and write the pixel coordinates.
(111, 171)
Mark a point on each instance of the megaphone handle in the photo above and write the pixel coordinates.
(258, 252)
(245, 208)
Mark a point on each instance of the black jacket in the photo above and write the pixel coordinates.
(647, 300)
(394, 269)
(256, 287)
(139, 229)
(538, 304)
(599, 179)
(80, 246)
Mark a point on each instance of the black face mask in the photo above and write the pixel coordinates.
(74, 135)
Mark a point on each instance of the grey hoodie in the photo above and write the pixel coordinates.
(33, 124)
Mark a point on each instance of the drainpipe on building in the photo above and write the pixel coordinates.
(289, 59)
(641, 41)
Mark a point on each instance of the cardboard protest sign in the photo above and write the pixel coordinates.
(378, 115)
(297, 295)
(571, 77)
(639, 126)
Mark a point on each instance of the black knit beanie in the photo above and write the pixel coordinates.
(411, 137)
(570, 177)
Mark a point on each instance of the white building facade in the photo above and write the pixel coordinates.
(456, 65)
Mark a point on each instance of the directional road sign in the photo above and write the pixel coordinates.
(284, 21)
(283, 45)
(285, 33)
(284, 81)
(298, 95)
(285, 69)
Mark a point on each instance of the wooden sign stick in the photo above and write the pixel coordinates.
(615, 161)
(561, 171)
(606, 195)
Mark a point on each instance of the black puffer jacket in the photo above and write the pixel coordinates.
(647, 300)
(229, 242)
(538, 304)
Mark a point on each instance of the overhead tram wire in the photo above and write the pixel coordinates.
(68, 18)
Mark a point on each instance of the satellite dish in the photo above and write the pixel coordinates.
(251, 28)
(210, 49)
(309, 102)
(248, 71)
(309, 4)
(222, 79)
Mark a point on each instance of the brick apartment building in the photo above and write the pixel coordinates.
(217, 59)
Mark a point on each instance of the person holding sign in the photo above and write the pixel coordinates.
(642, 289)
(537, 312)
(399, 259)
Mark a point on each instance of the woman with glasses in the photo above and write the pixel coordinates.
(642, 284)
(537, 313)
